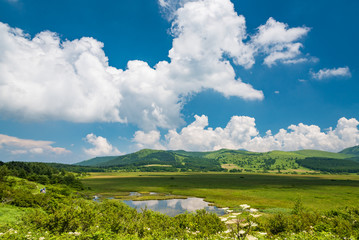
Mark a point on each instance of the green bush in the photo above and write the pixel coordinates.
(342, 222)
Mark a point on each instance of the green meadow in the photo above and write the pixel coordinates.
(263, 191)
(282, 206)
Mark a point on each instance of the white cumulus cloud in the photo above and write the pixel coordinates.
(329, 73)
(46, 78)
(148, 140)
(25, 146)
(169, 7)
(241, 133)
(101, 147)
(279, 42)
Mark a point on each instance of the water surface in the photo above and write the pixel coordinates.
(173, 207)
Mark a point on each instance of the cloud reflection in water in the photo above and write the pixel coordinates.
(173, 207)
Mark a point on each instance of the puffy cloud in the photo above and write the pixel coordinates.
(37, 150)
(329, 73)
(169, 7)
(280, 42)
(241, 133)
(210, 29)
(45, 77)
(15, 152)
(24, 146)
(196, 137)
(148, 140)
(273, 33)
(101, 147)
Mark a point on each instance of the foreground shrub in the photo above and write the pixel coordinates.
(342, 222)
(114, 217)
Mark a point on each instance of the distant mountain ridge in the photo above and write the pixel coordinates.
(180, 160)
(319, 153)
(351, 151)
(95, 161)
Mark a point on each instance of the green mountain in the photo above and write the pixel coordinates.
(330, 164)
(351, 151)
(180, 160)
(273, 160)
(95, 161)
(221, 160)
(323, 154)
(190, 154)
(143, 157)
(158, 160)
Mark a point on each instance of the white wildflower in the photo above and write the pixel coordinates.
(244, 206)
(41, 238)
(241, 232)
(223, 219)
(231, 221)
(253, 210)
(228, 231)
(256, 215)
(236, 214)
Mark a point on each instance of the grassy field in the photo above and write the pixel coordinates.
(263, 191)
(229, 166)
(11, 214)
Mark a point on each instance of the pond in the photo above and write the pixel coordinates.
(173, 207)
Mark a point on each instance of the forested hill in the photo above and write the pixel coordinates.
(225, 159)
(351, 151)
(95, 161)
(151, 160)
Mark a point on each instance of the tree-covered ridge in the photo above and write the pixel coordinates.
(95, 161)
(157, 160)
(39, 172)
(239, 160)
(330, 165)
(351, 151)
(318, 153)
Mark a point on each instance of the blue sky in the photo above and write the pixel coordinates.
(80, 79)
